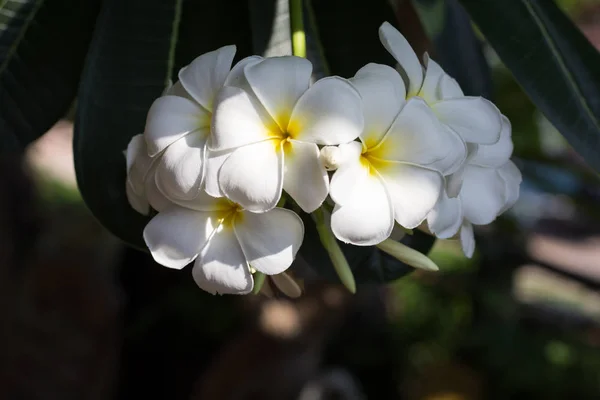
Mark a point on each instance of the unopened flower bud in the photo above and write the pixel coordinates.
(331, 157)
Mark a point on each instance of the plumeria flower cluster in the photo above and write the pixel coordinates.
(226, 145)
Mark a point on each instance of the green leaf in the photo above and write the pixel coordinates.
(43, 45)
(368, 264)
(456, 48)
(127, 68)
(348, 33)
(553, 62)
(137, 47)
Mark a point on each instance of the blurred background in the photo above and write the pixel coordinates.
(84, 317)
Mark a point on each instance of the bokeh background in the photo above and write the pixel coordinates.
(84, 317)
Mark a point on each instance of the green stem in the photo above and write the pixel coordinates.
(297, 27)
(340, 264)
(259, 280)
(407, 255)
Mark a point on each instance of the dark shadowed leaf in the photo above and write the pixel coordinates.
(455, 46)
(133, 55)
(348, 33)
(553, 62)
(127, 68)
(43, 45)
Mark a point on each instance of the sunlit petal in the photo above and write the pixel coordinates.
(349, 175)
(278, 83)
(383, 94)
(176, 235)
(413, 191)
(221, 267)
(367, 218)
(304, 178)
(401, 50)
(270, 240)
(238, 120)
(171, 118)
(330, 112)
(252, 176)
(203, 78)
(180, 170)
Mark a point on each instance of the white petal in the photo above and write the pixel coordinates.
(497, 154)
(475, 119)
(445, 219)
(349, 175)
(155, 197)
(170, 118)
(135, 146)
(482, 194)
(206, 203)
(203, 78)
(176, 235)
(213, 162)
(383, 94)
(238, 120)
(454, 181)
(221, 267)
(467, 239)
(236, 76)
(270, 240)
(252, 176)
(138, 163)
(413, 191)
(328, 113)
(449, 88)
(401, 50)
(418, 137)
(137, 201)
(512, 178)
(367, 218)
(430, 92)
(178, 90)
(180, 170)
(278, 83)
(304, 177)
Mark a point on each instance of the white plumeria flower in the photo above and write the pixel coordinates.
(267, 123)
(141, 188)
(475, 119)
(490, 187)
(395, 172)
(225, 240)
(178, 124)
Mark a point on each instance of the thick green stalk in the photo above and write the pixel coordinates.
(297, 27)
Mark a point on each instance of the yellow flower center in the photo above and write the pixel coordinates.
(228, 217)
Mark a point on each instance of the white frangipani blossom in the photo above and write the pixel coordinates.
(225, 240)
(475, 119)
(178, 124)
(267, 124)
(395, 171)
(490, 187)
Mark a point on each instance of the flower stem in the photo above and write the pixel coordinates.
(340, 264)
(259, 280)
(407, 255)
(297, 27)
